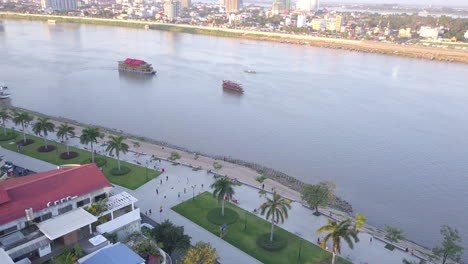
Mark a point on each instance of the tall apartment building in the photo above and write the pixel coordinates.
(233, 5)
(277, 8)
(308, 5)
(185, 3)
(59, 4)
(41, 214)
(172, 9)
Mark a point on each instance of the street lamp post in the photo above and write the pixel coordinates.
(193, 191)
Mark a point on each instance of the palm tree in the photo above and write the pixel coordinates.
(338, 231)
(90, 135)
(22, 118)
(43, 126)
(277, 209)
(116, 144)
(4, 115)
(222, 188)
(64, 132)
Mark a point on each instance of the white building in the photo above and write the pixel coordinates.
(466, 35)
(308, 5)
(172, 9)
(429, 33)
(59, 4)
(301, 20)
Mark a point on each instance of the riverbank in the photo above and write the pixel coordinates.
(419, 52)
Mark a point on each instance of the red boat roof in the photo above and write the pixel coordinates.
(134, 62)
(35, 191)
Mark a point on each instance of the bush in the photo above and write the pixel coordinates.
(65, 155)
(25, 143)
(123, 170)
(278, 242)
(174, 155)
(214, 216)
(261, 178)
(9, 136)
(217, 166)
(390, 247)
(100, 162)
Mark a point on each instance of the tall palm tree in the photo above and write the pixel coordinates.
(222, 188)
(4, 115)
(64, 132)
(23, 119)
(337, 231)
(43, 126)
(90, 135)
(276, 209)
(116, 144)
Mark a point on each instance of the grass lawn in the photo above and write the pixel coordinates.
(134, 179)
(245, 240)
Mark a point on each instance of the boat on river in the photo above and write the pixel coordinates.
(250, 71)
(232, 86)
(3, 93)
(136, 66)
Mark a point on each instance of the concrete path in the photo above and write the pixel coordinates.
(26, 161)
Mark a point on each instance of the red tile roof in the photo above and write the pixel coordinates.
(35, 191)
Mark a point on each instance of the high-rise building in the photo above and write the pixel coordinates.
(59, 4)
(277, 8)
(172, 9)
(308, 5)
(233, 5)
(185, 3)
(301, 20)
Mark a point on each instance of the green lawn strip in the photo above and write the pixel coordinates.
(245, 240)
(134, 179)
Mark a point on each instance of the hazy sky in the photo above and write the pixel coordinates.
(462, 3)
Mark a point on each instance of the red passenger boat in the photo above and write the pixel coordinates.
(232, 86)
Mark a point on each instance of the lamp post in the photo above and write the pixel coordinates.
(299, 255)
(193, 191)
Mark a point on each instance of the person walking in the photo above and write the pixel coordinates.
(178, 195)
(150, 211)
(167, 177)
(202, 185)
(185, 191)
(157, 191)
(263, 186)
(160, 180)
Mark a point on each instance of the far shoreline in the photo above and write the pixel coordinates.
(417, 52)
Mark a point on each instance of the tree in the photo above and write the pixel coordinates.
(116, 144)
(337, 232)
(222, 188)
(277, 209)
(90, 135)
(393, 234)
(172, 237)
(421, 261)
(64, 132)
(202, 253)
(360, 220)
(450, 248)
(43, 126)
(136, 144)
(23, 119)
(318, 194)
(4, 115)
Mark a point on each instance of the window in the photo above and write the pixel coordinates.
(99, 197)
(8, 230)
(46, 216)
(65, 209)
(82, 202)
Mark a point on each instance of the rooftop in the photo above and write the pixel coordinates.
(66, 223)
(39, 190)
(118, 254)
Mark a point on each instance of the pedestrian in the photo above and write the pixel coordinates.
(157, 191)
(160, 180)
(187, 180)
(150, 211)
(202, 185)
(185, 191)
(167, 177)
(178, 195)
(263, 186)
(371, 239)
(318, 240)
(164, 196)
(163, 170)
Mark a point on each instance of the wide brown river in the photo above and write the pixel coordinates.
(391, 132)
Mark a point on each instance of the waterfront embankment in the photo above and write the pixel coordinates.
(420, 52)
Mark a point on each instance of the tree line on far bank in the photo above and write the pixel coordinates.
(320, 195)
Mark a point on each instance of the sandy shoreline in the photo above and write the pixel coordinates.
(419, 52)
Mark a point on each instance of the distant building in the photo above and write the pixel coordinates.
(233, 5)
(172, 9)
(301, 20)
(185, 3)
(277, 8)
(316, 24)
(308, 5)
(404, 33)
(466, 35)
(285, 3)
(429, 33)
(59, 4)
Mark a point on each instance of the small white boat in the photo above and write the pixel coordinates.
(250, 71)
(3, 94)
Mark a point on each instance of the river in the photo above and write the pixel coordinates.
(391, 132)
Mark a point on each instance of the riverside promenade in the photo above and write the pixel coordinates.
(177, 178)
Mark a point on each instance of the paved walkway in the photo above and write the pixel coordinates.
(26, 161)
(300, 222)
